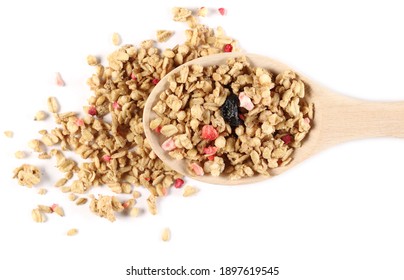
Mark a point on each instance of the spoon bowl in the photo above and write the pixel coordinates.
(337, 119)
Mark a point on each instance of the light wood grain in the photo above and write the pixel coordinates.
(337, 119)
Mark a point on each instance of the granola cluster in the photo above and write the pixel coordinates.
(232, 119)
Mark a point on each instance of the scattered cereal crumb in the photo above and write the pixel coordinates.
(59, 80)
(106, 206)
(134, 212)
(181, 14)
(36, 145)
(9, 133)
(72, 231)
(72, 197)
(40, 116)
(202, 11)
(58, 210)
(27, 175)
(81, 201)
(53, 105)
(164, 35)
(20, 154)
(222, 11)
(37, 216)
(44, 156)
(189, 190)
(92, 60)
(166, 234)
(42, 191)
(116, 39)
(136, 194)
(151, 203)
(61, 182)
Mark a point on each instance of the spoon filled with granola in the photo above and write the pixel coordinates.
(237, 118)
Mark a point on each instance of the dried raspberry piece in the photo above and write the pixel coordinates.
(211, 157)
(158, 129)
(211, 150)
(209, 132)
(287, 138)
(178, 183)
(147, 179)
(197, 169)
(245, 101)
(228, 48)
(155, 81)
(53, 207)
(133, 76)
(59, 80)
(92, 111)
(168, 145)
(116, 105)
(79, 122)
(222, 11)
(106, 158)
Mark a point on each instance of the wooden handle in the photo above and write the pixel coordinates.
(345, 118)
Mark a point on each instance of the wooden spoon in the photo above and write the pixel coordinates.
(337, 119)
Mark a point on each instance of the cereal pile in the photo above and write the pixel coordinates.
(116, 153)
(232, 119)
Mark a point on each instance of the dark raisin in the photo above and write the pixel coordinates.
(230, 111)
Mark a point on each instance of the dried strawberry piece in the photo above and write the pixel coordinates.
(279, 162)
(147, 179)
(126, 204)
(53, 207)
(155, 81)
(287, 138)
(79, 122)
(211, 157)
(197, 169)
(222, 11)
(227, 48)
(133, 76)
(116, 105)
(168, 145)
(158, 129)
(178, 183)
(106, 158)
(211, 150)
(59, 80)
(92, 111)
(209, 132)
(245, 101)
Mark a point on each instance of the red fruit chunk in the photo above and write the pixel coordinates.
(106, 158)
(197, 169)
(222, 11)
(92, 111)
(211, 150)
(227, 48)
(178, 183)
(155, 81)
(287, 138)
(209, 132)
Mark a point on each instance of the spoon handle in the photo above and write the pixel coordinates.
(348, 119)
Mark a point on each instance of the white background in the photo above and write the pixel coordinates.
(339, 215)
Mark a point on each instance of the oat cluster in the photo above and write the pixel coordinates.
(232, 119)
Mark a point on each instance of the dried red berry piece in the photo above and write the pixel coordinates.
(53, 207)
(106, 158)
(222, 11)
(279, 162)
(211, 157)
(228, 48)
(133, 76)
(168, 145)
(287, 138)
(147, 179)
(209, 132)
(116, 105)
(158, 129)
(178, 183)
(197, 169)
(155, 81)
(92, 111)
(80, 122)
(211, 150)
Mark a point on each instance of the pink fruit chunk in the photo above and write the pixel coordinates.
(245, 101)
(168, 145)
(197, 169)
(209, 132)
(211, 150)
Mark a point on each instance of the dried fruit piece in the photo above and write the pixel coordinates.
(168, 145)
(228, 48)
(178, 183)
(222, 11)
(209, 132)
(155, 81)
(59, 80)
(92, 111)
(58, 210)
(197, 169)
(166, 234)
(116, 39)
(211, 150)
(287, 138)
(245, 101)
(8, 133)
(72, 231)
(229, 110)
(189, 190)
